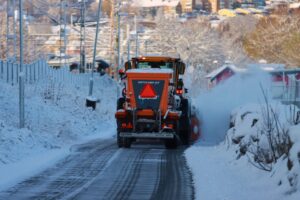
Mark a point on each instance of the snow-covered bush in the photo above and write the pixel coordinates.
(268, 135)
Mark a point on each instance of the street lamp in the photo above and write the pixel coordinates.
(21, 73)
(119, 38)
(90, 101)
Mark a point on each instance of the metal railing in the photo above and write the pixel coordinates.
(9, 71)
(288, 93)
(41, 71)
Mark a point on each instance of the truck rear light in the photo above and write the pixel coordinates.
(129, 125)
(179, 91)
(171, 126)
(173, 115)
(120, 114)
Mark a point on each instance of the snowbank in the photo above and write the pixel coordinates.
(235, 159)
(56, 118)
(219, 176)
(234, 169)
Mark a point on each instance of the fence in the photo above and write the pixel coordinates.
(287, 93)
(40, 71)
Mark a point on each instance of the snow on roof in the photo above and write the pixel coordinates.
(151, 70)
(155, 3)
(267, 66)
(215, 72)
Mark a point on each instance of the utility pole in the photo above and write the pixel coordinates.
(128, 49)
(11, 38)
(95, 49)
(137, 44)
(119, 40)
(136, 37)
(21, 73)
(82, 37)
(62, 32)
(112, 27)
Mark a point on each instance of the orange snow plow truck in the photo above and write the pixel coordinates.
(154, 104)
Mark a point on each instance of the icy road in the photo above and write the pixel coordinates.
(100, 170)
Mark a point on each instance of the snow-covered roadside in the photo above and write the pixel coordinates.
(219, 176)
(219, 165)
(223, 172)
(56, 118)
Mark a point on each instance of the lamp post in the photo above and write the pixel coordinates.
(119, 37)
(91, 102)
(21, 73)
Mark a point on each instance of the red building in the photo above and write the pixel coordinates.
(222, 73)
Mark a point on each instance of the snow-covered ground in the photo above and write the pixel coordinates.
(56, 118)
(222, 162)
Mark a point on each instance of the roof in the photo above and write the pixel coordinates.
(227, 12)
(216, 72)
(267, 66)
(155, 3)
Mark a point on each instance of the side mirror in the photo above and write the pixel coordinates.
(181, 68)
(128, 65)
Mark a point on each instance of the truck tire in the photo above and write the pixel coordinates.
(171, 143)
(120, 103)
(119, 140)
(126, 142)
(185, 122)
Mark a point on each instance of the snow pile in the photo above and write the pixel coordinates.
(56, 118)
(243, 166)
(259, 157)
(269, 137)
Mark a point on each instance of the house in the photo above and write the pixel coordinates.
(278, 72)
(222, 73)
(285, 82)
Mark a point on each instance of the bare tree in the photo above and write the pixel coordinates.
(194, 41)
(233, 31)
(276, 39)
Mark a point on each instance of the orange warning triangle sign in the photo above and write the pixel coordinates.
(148, 91)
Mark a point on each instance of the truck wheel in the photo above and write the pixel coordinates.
(171, 143)
(184, 122)
(120, 103)
(126, 142)
(119, 140)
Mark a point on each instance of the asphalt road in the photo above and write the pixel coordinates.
(100, 170)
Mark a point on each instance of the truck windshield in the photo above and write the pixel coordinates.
(160, 65)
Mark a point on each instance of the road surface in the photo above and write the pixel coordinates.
(100, 170)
